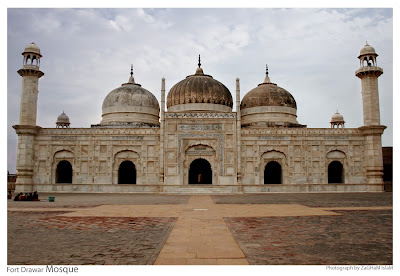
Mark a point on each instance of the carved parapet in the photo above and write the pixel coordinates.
(200, 115)
(100, 131)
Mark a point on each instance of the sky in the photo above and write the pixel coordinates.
(87, 52)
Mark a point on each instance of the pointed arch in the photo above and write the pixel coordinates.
(272, 167)
(62, 166)
(126, 167)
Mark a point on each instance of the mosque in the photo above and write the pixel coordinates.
(199, 144)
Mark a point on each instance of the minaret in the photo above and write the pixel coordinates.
(369, 73)
(27, 128)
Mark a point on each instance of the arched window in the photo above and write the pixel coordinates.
(273, 173)
(34, 60)
(127, 173)
(335, 172)
(64, 172)
(200, 172)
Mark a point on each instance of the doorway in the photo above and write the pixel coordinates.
(273, 173)
(200, 172)
(64, 172)
(335, 172)
(127, 173)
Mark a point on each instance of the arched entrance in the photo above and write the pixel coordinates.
(273, 173)
(200, 172)
(64, 172)
(335, 172)
(127, 173)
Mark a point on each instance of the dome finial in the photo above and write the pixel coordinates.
(131, 79)
(266, 80)
(199, 71)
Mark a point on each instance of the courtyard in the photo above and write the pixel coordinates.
(249, 229)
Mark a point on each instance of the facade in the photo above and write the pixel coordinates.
(199, 144)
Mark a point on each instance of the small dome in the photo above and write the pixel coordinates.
(337, 118)
(199, 92)
(32, 48)
(62, 121)
(130, 103)
(367, 50)
(63, 118)
(268, 94)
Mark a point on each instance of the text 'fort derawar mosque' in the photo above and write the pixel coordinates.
(199, 144)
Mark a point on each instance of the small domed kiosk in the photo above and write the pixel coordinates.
(63, 121)
(337, 120)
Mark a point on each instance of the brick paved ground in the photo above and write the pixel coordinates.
(44, 238)
(356, 237)
(310, 199)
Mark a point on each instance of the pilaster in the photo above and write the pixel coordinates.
(238, 133)
(162, 127)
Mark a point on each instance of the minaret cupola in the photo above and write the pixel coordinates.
(31, 56)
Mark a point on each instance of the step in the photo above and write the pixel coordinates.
(199, 190)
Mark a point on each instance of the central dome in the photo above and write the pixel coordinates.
(199, 92)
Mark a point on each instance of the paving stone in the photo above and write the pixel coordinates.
(40, 234)
(355, 237)
(309, 199)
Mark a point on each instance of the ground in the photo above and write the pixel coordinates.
(261, 229)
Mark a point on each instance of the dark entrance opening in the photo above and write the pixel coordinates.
(335, 172)
(200, 172)
(127, 173)
(273, 173)
(64, 172)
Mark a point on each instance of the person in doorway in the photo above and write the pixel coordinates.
(199, 178)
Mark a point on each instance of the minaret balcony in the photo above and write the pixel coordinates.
(30, 72)
(369, 71)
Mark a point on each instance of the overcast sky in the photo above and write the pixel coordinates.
(312, 53)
